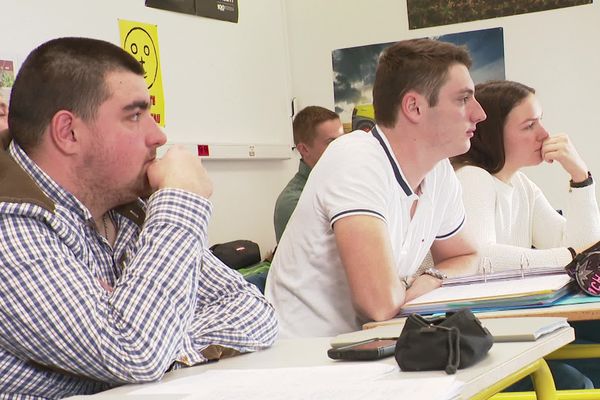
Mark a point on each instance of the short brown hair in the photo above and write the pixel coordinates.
(417, 64)
(497, 98)
(63, 74)
(306, 122)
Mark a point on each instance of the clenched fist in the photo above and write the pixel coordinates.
(180, 169)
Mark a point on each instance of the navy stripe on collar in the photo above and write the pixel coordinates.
(399, 177)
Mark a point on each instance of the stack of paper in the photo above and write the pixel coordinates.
(530, 291)
(523, 329)
(356, 381)
(513, 329)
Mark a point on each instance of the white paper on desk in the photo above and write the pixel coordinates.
(349, 382)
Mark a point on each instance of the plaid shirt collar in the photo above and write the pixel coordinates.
(134, 211)
(50, 188)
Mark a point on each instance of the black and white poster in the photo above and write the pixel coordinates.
(224, 10)
(180, 6)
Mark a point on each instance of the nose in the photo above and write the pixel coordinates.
(162, 137)
(155, 136)
(477, 114)
(543, 133)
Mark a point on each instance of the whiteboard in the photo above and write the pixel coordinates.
(224, 83)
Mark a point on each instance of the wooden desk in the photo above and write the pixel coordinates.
(573, 312)
(503, 361)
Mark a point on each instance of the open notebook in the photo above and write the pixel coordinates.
(515, 329)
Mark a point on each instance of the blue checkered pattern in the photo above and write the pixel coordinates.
(62, 333)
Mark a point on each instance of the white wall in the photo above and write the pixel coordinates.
(555, 51)
(244, 199)
(223, 83)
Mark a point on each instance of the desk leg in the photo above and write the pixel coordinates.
(543, 384)
(570, 351)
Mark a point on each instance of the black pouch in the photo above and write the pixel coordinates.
(238, 253)
(448, 343)
(585, 269)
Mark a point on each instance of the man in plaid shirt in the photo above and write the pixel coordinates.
(97, 287)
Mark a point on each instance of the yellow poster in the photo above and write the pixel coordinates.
(141, 41)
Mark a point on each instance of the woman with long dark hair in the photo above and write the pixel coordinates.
(507, 214)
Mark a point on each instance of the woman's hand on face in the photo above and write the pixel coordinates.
(560, 148)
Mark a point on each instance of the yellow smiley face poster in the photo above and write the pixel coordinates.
(141, 41)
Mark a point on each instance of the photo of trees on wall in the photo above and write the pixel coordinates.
(426, 13)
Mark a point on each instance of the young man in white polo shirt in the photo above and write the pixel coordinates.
(375, 204)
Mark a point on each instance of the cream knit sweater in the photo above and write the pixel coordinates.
(507, 220)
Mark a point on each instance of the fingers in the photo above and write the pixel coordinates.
(180, 169)
(556, 144)
(560, 148)
(555, 148)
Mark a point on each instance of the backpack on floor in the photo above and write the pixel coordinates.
(237, 253)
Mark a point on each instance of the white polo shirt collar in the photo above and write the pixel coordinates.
(400, 178)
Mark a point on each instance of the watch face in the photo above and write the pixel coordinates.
(588, 273)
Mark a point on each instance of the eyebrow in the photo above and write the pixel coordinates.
(140, 104)
(531, 120)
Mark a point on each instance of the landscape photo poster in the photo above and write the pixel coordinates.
(7, 77)
(426, 13)
(10, 62)
(354, 72)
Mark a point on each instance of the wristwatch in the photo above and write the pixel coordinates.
(436, 273)
(584, 183)
(406, 283)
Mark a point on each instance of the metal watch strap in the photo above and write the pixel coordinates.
(436, 273)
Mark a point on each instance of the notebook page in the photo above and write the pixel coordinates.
(494, 289)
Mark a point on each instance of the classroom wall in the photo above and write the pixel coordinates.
(244, 199)
(554, 51)
(223, 83)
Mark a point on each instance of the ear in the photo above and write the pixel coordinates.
(302, 149)
(63, 132)
(412, 106)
